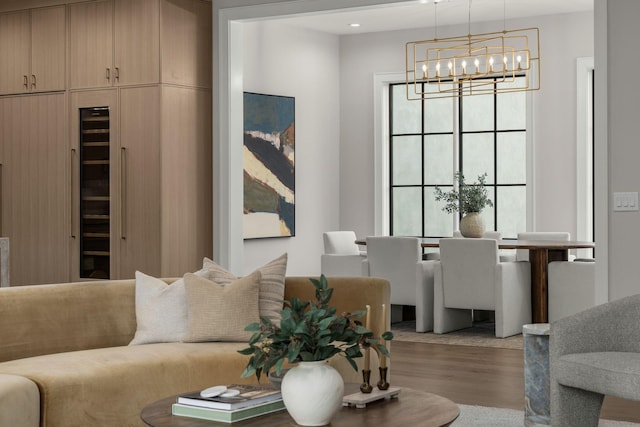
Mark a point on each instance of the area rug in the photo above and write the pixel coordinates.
(481, 334)
(482, 416)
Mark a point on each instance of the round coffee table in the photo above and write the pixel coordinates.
(410, 408)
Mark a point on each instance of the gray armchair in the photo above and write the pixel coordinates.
(592, 354)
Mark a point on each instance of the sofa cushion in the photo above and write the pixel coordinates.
(271, 284)
(220, 313)
(102, 387)
(610, 373)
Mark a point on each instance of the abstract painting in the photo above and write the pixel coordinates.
(269, 166)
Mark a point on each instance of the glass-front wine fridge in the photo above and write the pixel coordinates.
(95, 193)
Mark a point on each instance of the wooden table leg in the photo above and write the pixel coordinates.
(539, 259)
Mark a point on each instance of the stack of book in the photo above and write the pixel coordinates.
(252, 401)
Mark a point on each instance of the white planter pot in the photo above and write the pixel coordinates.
(472, 225)
(312, 393)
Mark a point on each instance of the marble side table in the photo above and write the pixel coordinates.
(536, 374)
(4, 262)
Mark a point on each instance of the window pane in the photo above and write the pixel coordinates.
(406, 155)
(512, 211)
(477, 156)
(437, 223)
(407, 211)
(488, 213)
(438, 159)
(512, 108)
(438, 114)
(406, 115)
(512, 158)
(477, 112)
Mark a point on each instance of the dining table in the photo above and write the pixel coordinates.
(541, 253)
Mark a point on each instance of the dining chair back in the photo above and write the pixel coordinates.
(572, 288)
(342, 256)
(471, 277)
(398, 259)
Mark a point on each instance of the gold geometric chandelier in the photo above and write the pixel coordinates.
(478, 64)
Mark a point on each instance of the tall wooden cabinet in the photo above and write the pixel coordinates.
(34, 183)
(32, 48)
(110, 171)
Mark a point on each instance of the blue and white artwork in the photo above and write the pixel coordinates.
(269, 166)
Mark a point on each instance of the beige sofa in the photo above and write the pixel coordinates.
(65, 359)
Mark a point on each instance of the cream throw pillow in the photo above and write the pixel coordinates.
(271, 284)
(161, 310)
(220, 313)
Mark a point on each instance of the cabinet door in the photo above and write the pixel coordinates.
(137, 42)
(15, 42)
(91, 44)
(139, 198)
(47, 49)
(85, 262)
(35, 188)
(186, 42)
(186, 179)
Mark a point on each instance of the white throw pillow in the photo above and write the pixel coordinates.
(271, 284)
(161, 310)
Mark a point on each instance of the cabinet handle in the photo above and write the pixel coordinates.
(117, 74)
(108, 73)
(123, 193)
(33, 81)
(25, 81)
(71, 188)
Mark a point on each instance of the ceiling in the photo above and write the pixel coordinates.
(417, 14)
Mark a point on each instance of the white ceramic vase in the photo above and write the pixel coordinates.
(312, 393)
(472, 225)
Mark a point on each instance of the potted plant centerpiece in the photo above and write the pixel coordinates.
(469, 200)
(309, 334)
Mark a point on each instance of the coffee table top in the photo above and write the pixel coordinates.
(411, 407)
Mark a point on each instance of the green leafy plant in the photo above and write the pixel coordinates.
(308, 331)
(467, 197)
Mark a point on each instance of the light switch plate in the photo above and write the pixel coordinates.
(625, 201)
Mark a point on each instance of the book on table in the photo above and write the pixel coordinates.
(249, 395)
(225, 416)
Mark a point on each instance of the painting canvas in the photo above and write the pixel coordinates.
(269, 166)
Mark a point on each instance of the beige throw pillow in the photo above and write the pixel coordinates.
(220, 313)
(271, 284)
(161, 310)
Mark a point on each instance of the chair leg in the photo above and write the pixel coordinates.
(573, 407)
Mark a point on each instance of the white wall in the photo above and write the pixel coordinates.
(623, 101)
(563, 38)
(282, 60)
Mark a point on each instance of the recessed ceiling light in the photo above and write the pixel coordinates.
(354, 25)
(424, 1)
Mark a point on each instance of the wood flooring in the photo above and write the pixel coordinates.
(477, 376)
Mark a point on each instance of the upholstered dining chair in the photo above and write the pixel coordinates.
(523, 254)
(398, 259)
(471, 277)
(572, 288)
(342, 256)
